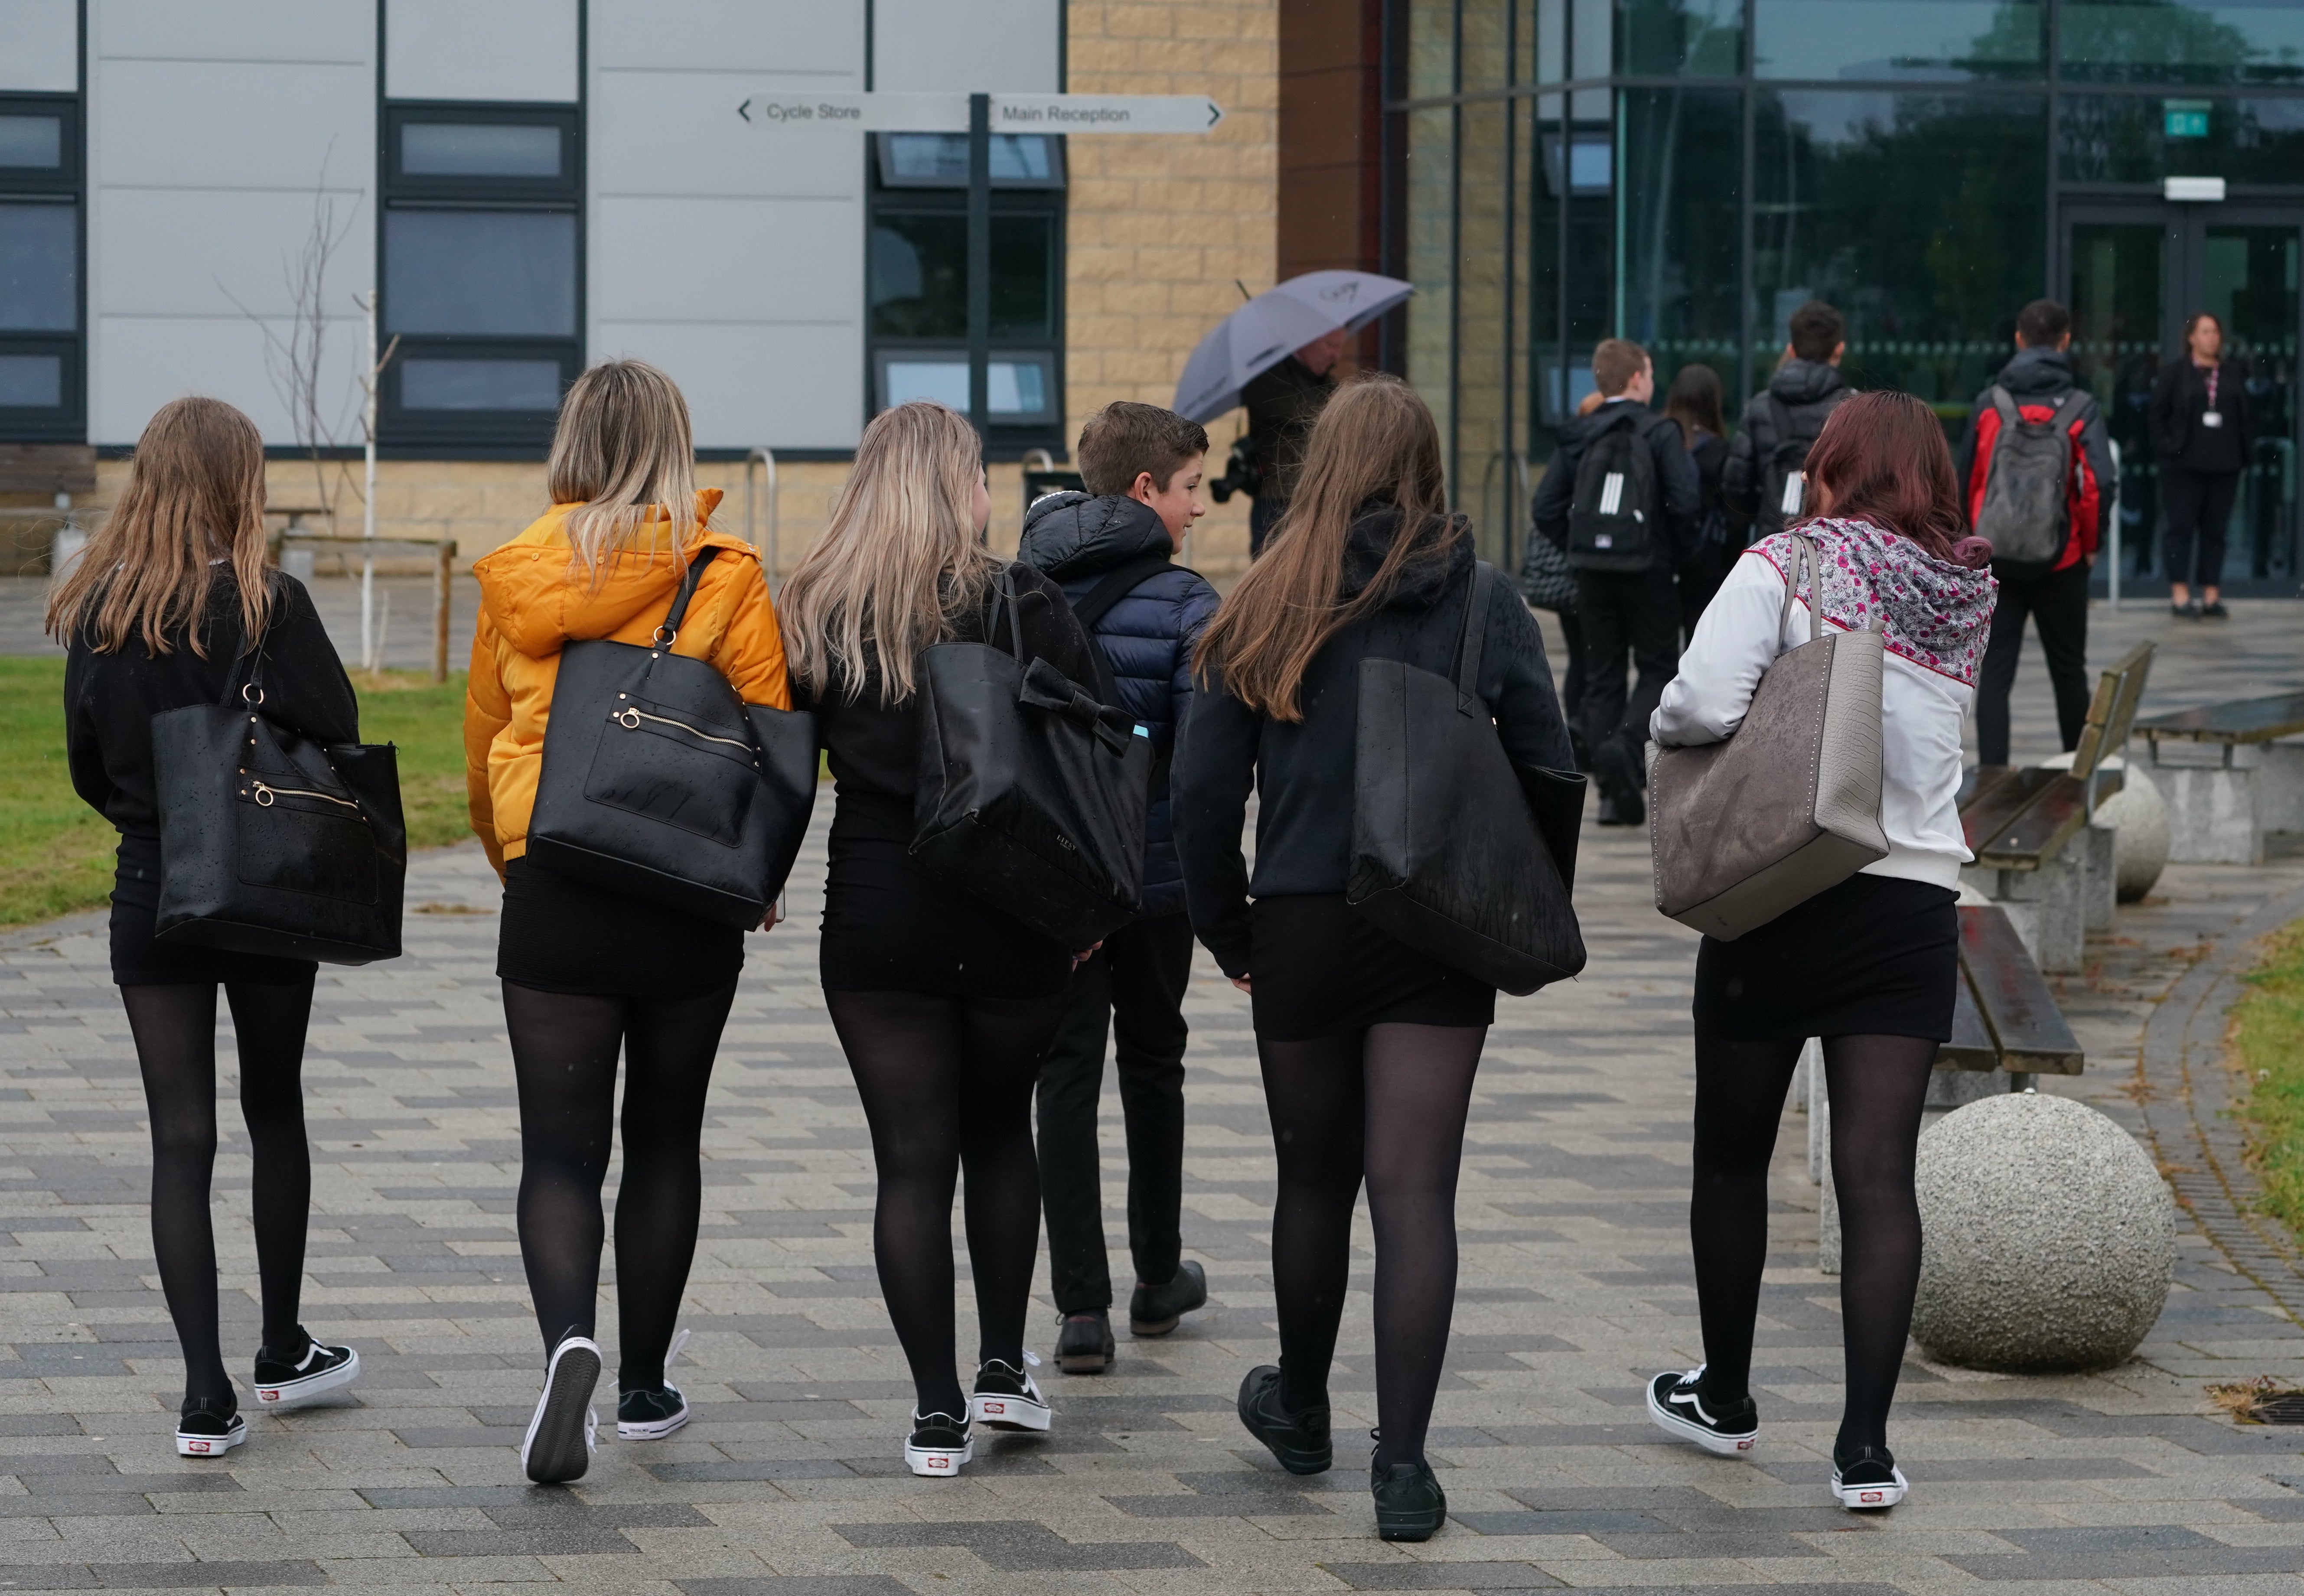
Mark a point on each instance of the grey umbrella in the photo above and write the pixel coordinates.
(1274, 325)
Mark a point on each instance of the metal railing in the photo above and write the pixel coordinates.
(762, 456)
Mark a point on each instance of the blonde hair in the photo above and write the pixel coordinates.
(623, 456)
(195, 494)
(899, 558)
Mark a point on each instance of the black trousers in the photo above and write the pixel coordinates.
(1135, 985)
(2198, 506)
(1633, 616)
(2058, 604)
(1572, 678)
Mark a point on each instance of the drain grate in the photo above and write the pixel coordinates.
(2286, 1408)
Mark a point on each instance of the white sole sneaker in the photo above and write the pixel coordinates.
(1685, 1429)
(1864, 1499)
(999, 1410)
(191, 1445)
(558, 1446)
(652, 1429)
(938, 1463)
(289, 1393)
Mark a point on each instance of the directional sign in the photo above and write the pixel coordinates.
(1011, 113)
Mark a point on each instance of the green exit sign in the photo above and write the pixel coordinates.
(2184, 119)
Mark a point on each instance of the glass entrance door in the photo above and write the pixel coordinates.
(2135, 275)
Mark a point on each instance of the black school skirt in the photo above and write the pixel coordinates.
(892, 925)
(562, 934)
(140, 958)
(1875, 955)
(1317, 967)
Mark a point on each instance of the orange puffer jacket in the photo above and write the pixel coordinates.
(532, 602)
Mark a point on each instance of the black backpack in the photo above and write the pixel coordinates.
(1783, 470)
(1614, 523)
(2025, 515)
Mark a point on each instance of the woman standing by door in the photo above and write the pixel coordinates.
(587, 971)
(2201, 435)
(1367, 1047)
(943, 1004)
(1869, 965)
(166, 608)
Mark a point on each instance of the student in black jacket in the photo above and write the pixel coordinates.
(165, 607)
(1625, 614)
(1694, 402)
(1368, 1047)
(2201, 434)
(1783, 419)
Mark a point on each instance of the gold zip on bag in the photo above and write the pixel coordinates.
(265, 794)
(631, 719)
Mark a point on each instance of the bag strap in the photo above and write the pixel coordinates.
(668, 632)
(2004, 404)
(1803, 554)
(250, 693)
(2069, 411)
(1118, 583)
(1474, 636)
(1003, 592)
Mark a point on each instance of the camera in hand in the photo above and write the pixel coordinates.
(1242, 474)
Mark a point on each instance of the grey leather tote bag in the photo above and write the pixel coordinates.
(1745, 829)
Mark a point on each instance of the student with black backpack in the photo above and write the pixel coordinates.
(2036, 473)
(1765, 479)
(1621, 499)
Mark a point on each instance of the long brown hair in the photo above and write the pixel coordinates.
(195, 494)
(1375, 442)
(1882, 458)
(1694, 402)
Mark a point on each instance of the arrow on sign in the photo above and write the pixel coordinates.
(1011, 113)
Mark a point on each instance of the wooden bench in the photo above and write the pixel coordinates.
(2035, 850)
(53, 473)
(2220, 813)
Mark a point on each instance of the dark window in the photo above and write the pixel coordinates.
(40, 343)
(1690, 38)
(2102, 139)
(482, 245)
(1682, 176)
(917, 266)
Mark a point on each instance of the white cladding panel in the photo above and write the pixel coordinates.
(39, 47)
(732, 258)
(967, 45)
(482, 49)
(209, 149)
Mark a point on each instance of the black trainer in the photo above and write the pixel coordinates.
(1007, 1397)
(1676, 1402)
(650, 1415)
(1409, 1505)
(558, 1446)
(1084, 1343)
(1299, 1440)
(208, 1429)
(1156, 1310)
(939, 1443)
(1868, 1480)
(287, 1377)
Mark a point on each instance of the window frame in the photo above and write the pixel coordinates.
(65, 422)
(477, 433)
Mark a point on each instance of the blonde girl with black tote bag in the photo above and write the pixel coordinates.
(1368, 1047)
(588, 971)
(165, 611)
(1870, 964)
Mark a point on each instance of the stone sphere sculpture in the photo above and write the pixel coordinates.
(2139, 816)
(2050, 1239)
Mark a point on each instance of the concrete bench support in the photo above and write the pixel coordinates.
(2220, 810)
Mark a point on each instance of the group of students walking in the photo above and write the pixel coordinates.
(956, 1016)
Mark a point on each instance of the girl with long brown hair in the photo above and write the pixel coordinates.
(1868, 966)
(167, 607)
(1367, 1046)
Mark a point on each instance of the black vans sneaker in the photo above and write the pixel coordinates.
(1156, 1310)
(209, 1429)
(938, 1445)
(558, 1446)
(1868, 1480)
(286, 1378)
(1676, 1402)
(1300, 1439)
(650, 1415)
(1006, 1397)
(1409, 1505)
(1084, 1343)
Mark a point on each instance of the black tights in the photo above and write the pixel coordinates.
(1876, 1085)
(563, 1055)
(1389, 1102)
(948, 1085)
(175, 1027)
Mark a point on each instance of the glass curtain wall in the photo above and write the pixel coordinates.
(1686, 173)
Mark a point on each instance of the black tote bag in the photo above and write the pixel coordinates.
(660, 782)
(1458, 851)
(271, 843)
(1032, 791)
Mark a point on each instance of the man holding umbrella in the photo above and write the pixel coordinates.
(1282, 402)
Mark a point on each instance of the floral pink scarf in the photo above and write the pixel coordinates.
(1938, 614)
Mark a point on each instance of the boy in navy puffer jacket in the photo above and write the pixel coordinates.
(1110, 548)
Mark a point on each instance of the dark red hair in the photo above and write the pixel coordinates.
(1882, 458)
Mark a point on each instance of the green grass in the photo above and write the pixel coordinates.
(55, 852)
(2268, 1040)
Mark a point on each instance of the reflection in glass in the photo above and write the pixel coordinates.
(427, 384)
(1689, 38)
(2108, 139)
(2183, 41)
(1918, 215)
(940, 160)
(504, 273)
(1012, 388)
(39, 260)
(2249, 284)
(1680, 221)
(478, 149)
(2118, 298)
(31, 381)
(918, 275)
(36, 142)
(1926, 40)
